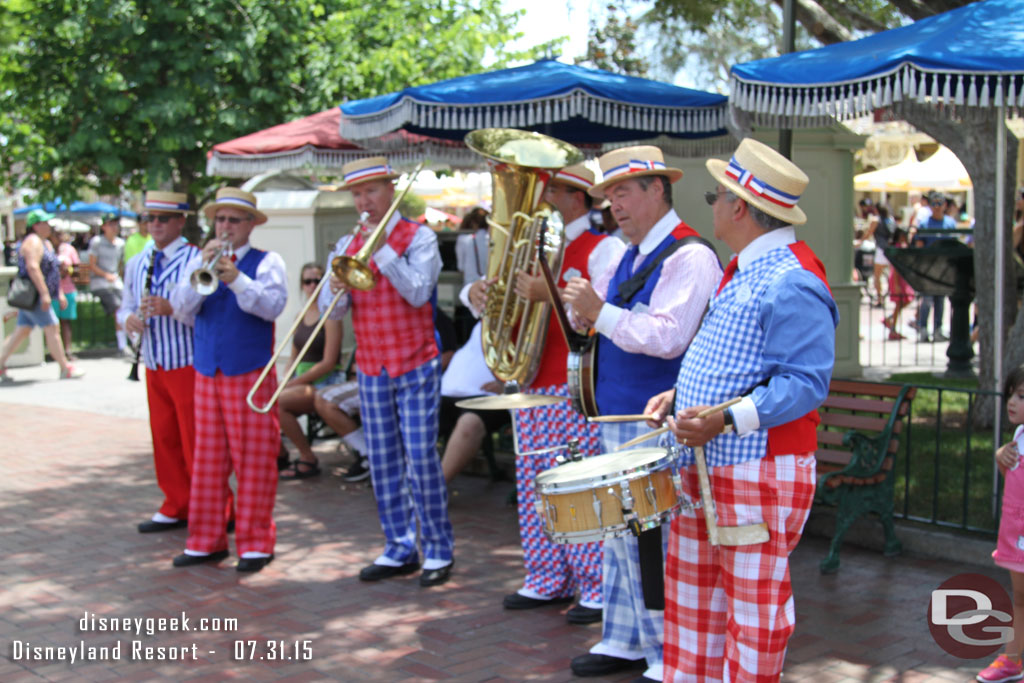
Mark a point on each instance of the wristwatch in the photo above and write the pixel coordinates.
(729, 425)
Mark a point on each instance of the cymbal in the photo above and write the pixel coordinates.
(509, 401)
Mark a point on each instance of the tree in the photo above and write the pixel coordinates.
(612, 45)
(107, 94)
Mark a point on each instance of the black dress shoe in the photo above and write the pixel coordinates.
(602, 665)
(150, 526)
(579, 614)
(435, 577)
(253, 564)
(517, 601)
(376, 572)
(186, 560)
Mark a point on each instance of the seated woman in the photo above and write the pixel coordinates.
(318, 367)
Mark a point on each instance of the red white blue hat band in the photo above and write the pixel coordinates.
(634, 166)
(758, 187)
(368, 172)
(244, 203)
(160, 205)
(573, 178)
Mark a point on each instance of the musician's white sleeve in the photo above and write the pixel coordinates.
(414, 274)
(464, 298)
(265, 295)
(186, 301)
(324, 300)
(129, 298)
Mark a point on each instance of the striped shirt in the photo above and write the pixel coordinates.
(167, 341)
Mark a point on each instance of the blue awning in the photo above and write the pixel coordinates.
(572, 103)
(79, 207)
(971, 56)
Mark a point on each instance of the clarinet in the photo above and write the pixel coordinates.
(133, 374)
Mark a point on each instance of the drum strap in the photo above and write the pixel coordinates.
(652, 568)
(629, 288)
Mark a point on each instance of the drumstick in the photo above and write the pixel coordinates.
(661, 430)
(619, 418)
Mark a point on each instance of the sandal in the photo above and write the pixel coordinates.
(300, 469)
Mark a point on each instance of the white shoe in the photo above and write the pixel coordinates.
(71, 373)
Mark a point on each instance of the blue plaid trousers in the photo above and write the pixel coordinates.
(629, 630)
(400, 421)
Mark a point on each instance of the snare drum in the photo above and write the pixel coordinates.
(603, 496)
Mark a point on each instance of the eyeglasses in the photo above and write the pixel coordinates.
(233, 220)
(162, 218)
(306, 282)
(712, 197)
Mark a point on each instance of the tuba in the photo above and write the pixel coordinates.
(522, 165)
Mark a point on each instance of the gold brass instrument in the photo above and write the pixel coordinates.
(204, 278)
(355, 272)
(522, 165)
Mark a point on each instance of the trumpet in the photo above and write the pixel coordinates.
(204, 279)
(355, 272)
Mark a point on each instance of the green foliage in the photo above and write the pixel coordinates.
(108, 94)
(612, 46)
(412, 205)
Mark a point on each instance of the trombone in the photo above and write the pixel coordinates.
(355, 272)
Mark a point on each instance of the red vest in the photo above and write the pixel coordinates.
(556, 351)
(390, 334)
(800, 435)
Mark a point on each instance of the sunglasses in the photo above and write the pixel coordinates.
(712, 197)
(309, 281)
(162, 218)
(233, 220)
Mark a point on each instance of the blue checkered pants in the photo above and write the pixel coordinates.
(552, 569)
(629, 629)
(400, 421)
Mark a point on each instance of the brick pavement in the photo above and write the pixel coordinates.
(76, 483)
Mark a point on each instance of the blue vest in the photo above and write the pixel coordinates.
(227, 338)
(625, 381)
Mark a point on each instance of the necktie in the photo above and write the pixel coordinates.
(158, 264)
(730, 270)
(234, 258)
(631, 254)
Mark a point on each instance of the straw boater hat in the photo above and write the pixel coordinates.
(578, 176)
(233, 198)
(168, 202)
(761, 176)
(364, 170)
(632, 162)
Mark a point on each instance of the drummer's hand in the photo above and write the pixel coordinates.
(337, 284)
(659, 406)
(691, 430)
(478, 294)
(493, 387)
(531, 287)
(581, 296)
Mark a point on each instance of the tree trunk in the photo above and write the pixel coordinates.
(972, 137)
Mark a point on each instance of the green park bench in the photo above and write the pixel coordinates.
(858, 440)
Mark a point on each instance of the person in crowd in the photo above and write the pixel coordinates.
(318, 368)
(937, 220)
(68, 257)
(38, 262)
(556, 573)
(768, 338)
(1008, 553)
(137, 241)
(920, 210)
(234, 341)
(338, 406)
(645, 309)
(167, 351)
(471, 258)
(882, 232)
(106, 259)
(399, 373)
(900, 292)
(464, 429)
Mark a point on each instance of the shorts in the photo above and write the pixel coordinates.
(69, 313)
(36, 318)
(493, 420)
(344, 395)
(335, 376)
(110, 298)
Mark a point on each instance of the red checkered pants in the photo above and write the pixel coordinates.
(729, 610)
(230, 435)
(172, 422)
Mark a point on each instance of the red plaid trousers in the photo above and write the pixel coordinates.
(729, 610)
(232, 436)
